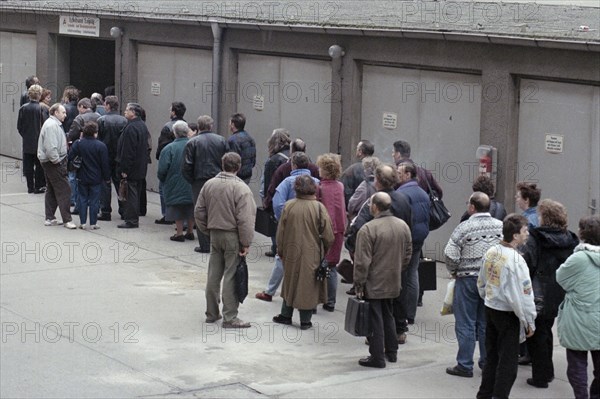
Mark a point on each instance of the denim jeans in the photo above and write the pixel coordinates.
(89, 198)
(469, 313)
(73, 184)
(332, 283)
(276, 277)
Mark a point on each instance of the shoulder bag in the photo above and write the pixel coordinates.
(438, 213)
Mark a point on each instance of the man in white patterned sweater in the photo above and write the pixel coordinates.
(464, 253)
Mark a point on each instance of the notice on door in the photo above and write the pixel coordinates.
(554, 143)
(79, 26)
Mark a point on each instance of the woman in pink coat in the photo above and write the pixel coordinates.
(331, 194)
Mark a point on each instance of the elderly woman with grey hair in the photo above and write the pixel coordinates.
(177, 191)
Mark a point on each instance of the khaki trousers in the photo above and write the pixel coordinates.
(224, 258)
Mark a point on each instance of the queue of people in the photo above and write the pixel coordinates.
(514, 274)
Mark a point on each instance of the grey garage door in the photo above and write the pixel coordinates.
(294, 94)
(559, 143)
(438, 113)
(17, 61)
(167, 74)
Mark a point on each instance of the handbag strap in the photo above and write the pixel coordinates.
(432, 194)
(320, 233)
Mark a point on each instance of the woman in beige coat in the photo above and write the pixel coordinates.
(303, 220)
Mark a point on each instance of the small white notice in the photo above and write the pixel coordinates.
(258, 103)
(155, 88)
(79, 26)
(554, 143)
(390, 120)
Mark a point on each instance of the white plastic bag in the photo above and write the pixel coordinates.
(447, 305)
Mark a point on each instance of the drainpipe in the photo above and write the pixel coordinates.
(216, 73)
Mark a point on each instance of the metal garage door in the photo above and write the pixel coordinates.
(17, 61)
(438, 113)
(296, 95)
(167, 74)
(559, 144)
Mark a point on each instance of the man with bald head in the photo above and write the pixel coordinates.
(464, 253)
(383, 250)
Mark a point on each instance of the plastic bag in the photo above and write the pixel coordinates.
(447, 305)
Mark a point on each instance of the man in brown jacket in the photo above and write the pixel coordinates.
(383, 250)
(226, 211)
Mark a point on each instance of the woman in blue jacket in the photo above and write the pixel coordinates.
(93, 172)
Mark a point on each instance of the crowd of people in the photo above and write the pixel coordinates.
(514, 274)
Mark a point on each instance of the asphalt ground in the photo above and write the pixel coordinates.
(120, 313)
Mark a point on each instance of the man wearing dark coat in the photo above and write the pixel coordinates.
(132, 161)
(355, 173)
(29, 124)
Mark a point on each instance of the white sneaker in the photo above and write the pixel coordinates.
(52, 222)
(82, 226)
(94, 227)
(70, 225)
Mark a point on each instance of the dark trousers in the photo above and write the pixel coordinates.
(502, 345)
(384, 339)
(58, 191)
(143, 199)
(33, 172)
(203, 240)
(405, 305)
(106, 195)
(89, 199)
(577, 364)
(540, 347)
(131, 211)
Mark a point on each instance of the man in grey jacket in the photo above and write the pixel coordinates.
(52, 153)
(383, 250)
(226, 210)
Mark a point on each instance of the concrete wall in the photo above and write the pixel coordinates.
(499, 71)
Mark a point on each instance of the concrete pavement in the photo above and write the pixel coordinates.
(120, 313)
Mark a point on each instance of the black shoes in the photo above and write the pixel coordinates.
(202, 251)
(537, 384)
(127, 225)
(328, 308)
(177, 238)
(40, 190)
(370, 362)
(270, 254)
(105, 217)
(305, 325)
(459, 372)
(524, 360)
(162, 221)
(391, 357)
(280, 319)
(351, 291)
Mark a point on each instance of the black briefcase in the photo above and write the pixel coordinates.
(427, 275)
(357, 320)
(265, 223)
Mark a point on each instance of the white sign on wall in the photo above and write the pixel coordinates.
(155, 88)
(79, 26)
(554, 143)
(258, 103)
(390, 120)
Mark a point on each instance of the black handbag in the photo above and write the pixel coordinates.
(357, 320)
(427, 275)
(265, 223)
(75, 164)
(322, 271)
(438, 213)
(241, 280)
